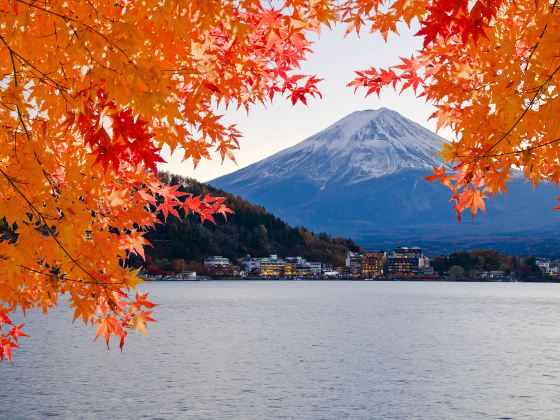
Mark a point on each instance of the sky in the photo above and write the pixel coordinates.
(270, 129)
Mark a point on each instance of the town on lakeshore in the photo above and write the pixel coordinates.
(403, 263)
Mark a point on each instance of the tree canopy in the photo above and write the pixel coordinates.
(91, 90)
(90, 93)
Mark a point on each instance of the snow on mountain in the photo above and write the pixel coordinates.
(361, 146)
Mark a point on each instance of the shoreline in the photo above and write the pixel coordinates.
(418, 280)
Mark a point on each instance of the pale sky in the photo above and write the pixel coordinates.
(267, 130)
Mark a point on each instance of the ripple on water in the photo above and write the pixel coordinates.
(309, 350)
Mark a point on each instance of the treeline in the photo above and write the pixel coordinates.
(183, 244)
(468, 265)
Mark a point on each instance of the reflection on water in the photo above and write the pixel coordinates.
(312, 350)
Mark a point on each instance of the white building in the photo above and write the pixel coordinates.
(216, 262)
(316, 267)
(252, 265)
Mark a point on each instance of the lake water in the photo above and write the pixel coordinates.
(303, 350)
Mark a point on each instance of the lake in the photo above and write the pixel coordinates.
(303, 350)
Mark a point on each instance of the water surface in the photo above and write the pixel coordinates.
(305, 350)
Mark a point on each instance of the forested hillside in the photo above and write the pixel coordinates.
(250, 230)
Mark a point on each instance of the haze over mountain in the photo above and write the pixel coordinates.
(363, 177)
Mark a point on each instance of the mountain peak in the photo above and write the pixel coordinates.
(357, 118)
(374, 113)
(363, 145)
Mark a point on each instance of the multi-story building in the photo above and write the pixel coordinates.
(290, 269)
(217, 265)
(373, 263)
(272, 266)
(303, 270)
(354, 264)
(316, 268)
(300, 267)
(216, 262)
(291, 266)
(252, 265)
(405, 261)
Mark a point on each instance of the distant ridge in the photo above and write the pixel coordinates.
(363, 177)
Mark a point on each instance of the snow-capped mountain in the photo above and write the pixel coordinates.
(361, 146)
(363, 177)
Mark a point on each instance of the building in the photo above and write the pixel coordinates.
(303, 270)
(272, 266)
(300, 267)
(216, 262)
(188, 275)
(316, 268)
(291, 265)
(547, 266)
(331, 274)
(251, 265)
(290, 269)
(353, 265)
(423, 262)
(368, 265)
(327, 268)
(406, 262)
(373, 263)
(493, 274)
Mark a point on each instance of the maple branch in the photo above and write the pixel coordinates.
(515, 152)
(540, 37)
(13, 66)
(536, 96)
(17, 106)
(97, 13)
(50, 233)
(60, 277)
(527, 108)
(45, 10)
(182, 70)
(43, 75)
(20, 116)
(90, 28)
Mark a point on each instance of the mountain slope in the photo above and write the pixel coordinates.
(362, 177)
(250, 230)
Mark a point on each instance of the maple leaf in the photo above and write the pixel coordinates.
(439, 175)
(134, 241)
(138, 321)
(6, 347)
(171, 192)
(168, 207)
(104, 329)
(4, 318)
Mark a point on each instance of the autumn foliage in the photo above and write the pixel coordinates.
(91, 91)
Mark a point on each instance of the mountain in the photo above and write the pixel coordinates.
(363, 177)
(249, 230)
